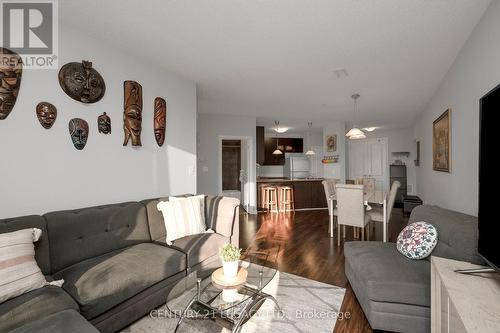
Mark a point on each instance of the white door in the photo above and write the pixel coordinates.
(368, 158)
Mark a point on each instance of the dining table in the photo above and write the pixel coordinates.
(370, 197)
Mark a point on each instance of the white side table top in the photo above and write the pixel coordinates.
(476, 297)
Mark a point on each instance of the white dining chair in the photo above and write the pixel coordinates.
(351, 208)
(329, 186)
(377, 213)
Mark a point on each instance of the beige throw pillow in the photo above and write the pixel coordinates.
(19, 272)
(183, 216)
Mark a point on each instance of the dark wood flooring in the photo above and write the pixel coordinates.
(300, 244)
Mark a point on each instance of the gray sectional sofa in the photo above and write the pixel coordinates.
(395, 291)
(115, 263)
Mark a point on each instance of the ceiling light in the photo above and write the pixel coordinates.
(357, 137)
(370, 129)
(310, 151)
(279, 129)
(277, 151)
(355, 133)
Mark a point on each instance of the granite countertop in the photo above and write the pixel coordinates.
(286, 179)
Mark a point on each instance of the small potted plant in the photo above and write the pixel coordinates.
(230, 255)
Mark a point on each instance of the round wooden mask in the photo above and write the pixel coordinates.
(82, 82)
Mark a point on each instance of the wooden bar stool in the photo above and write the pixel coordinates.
(285, 198)
(270, 201)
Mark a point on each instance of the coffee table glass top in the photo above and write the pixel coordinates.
(216, 297)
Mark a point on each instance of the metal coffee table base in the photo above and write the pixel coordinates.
(223, 319)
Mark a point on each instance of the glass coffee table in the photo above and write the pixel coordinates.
(229, 307)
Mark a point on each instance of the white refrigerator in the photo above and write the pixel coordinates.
(296, 167)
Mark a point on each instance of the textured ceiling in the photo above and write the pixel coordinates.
(278, 58)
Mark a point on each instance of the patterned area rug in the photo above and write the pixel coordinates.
(308, 306)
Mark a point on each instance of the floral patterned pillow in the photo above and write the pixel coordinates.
(417, 240)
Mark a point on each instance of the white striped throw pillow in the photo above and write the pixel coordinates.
(183, 216)
(19, 272)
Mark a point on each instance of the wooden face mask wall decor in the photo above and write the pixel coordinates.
(79, 132)
(81, 82)
(160, 120)
(104, 123)
(11, 69)
(46, 114)
(132, 113)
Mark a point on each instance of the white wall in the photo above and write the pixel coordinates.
(335, 170)
(475, 71)
(210, 129)
(400, 140)
(40, 169)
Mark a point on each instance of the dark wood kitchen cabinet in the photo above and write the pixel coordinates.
(261, 152)
(286, 145)
(269, 157)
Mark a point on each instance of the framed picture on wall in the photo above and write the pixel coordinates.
(331, 143)
(441, 142)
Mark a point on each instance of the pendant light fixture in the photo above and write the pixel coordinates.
(310, 151)
(355, 133)
(277, 151)
(279, 129)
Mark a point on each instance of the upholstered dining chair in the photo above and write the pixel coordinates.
(369, 184)
(329, 186)
(377, 213)
(351, 208)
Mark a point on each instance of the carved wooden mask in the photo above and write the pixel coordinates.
(82, 82)
(160, 120)
(79, 132)
(46, 114)
(11, 69)
(104, 123)
(132, 113)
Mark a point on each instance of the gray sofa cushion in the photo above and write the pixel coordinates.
(42, 255)
(60, 322)
(199, 248)
(100, 283)
(34, 305)
(80, 234)
(457, 232)
(386, 275)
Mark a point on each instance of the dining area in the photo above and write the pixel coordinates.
(358, 203)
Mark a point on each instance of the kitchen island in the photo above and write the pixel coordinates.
(308, 192)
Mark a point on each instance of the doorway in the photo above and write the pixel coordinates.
(231, 165)
(236, 176)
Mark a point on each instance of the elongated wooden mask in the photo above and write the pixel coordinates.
(160, 120)
(11, 69)
(132, 113)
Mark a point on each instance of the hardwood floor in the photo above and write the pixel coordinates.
(300, 244)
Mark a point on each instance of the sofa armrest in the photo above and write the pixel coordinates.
(223, 216)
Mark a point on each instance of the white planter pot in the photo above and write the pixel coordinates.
(230, 268)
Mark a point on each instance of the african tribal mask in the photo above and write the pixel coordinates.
(46, 114)
(104, 123)
(160, 120)
(11, 68)
(79, 132)
(132, 113)
(81, 82)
